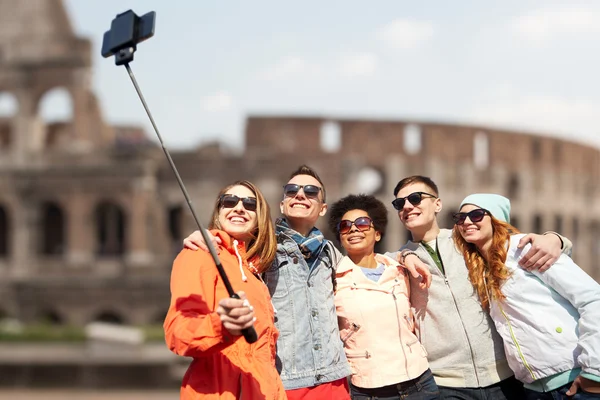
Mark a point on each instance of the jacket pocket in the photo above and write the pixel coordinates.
(278, 287)
(357, 354)
(348, 333)
(415, 347)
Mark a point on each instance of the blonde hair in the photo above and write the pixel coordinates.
(263, 245)
(487, 276)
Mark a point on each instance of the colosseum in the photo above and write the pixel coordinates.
(91, 216)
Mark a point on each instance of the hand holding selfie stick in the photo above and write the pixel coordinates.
(126, 31)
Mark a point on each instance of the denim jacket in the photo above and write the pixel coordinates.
(309, 349)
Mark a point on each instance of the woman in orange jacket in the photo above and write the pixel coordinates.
(205, 324)
(373, 309)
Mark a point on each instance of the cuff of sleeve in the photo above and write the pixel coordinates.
(562, 244)
(405, 254)
(591, 377)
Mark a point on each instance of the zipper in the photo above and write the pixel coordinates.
(464, 329)
(514, 338)
(443, 275)
(353, 328)
(400, 329)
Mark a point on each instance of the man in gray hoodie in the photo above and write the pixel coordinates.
(465, 352)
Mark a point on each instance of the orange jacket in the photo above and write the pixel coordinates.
(224, 366)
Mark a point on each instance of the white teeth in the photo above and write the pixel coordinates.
(299, 206)
(237, 219)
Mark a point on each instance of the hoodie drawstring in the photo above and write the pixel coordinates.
(244, 277)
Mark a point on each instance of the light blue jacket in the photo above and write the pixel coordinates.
(309, 349)
(549, 321)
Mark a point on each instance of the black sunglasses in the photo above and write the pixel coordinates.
(474, 215)
(231, 200)
(413, 198)
(310, 191)
(361, 223)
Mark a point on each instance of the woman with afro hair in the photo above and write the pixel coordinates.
(373, 308)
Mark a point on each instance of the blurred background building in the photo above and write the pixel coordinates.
(91, 216)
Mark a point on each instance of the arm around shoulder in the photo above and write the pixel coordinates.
(566, 244)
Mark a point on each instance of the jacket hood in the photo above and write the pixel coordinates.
(233, 246)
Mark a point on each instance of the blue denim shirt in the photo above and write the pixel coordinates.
(309, 349)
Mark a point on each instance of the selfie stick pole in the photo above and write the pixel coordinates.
(127, 53)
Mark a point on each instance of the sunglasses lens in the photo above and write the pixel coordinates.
(311, 190)
(249, 203)
(459, 218)
(398, 204)
(476, 215)
(362, 223)
(345, 226)
(229, 201)
(415, 198)
(290, 189)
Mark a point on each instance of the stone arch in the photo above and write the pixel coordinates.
(56, 108)
(51, 317)
(330, 136)
(515, 221)
(5, 232)
(537, 223)
(175, 225)
(481, 150)
(111, 229)
(109, 316)
(593, 232)
(159, 317)
(370, 180)
(412, 139)
(513, 186)
(558, 223)
(575, 229)
(53, 229)
(448, 221)
(9, 108)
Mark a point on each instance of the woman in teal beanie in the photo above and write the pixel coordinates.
(549, 321)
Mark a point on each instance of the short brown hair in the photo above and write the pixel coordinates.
(263, 246)
(416, 179)
(306, 170)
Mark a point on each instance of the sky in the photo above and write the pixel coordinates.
(514, 64)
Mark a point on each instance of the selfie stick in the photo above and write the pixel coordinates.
(127, 30)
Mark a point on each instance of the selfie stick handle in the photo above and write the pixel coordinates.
(249, 333)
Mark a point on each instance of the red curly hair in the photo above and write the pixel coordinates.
(487, 276)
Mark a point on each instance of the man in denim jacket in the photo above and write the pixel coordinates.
(310, 353)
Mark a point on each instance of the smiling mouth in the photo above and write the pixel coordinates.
(237, 220)
(298, 205)
(354, 239)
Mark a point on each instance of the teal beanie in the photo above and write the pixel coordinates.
(498, 206)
